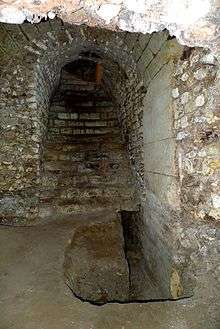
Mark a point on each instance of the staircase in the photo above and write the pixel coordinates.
(85, 166)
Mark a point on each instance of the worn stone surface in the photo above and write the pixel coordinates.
(182, 18)
(95, 263)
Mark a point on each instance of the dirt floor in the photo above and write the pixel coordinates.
(33, 294)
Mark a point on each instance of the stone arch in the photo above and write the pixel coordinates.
(41, 58)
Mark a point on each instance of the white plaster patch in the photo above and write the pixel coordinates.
(137, 6)
(187, 11)
(51, 14)
(108, 11)
(11, 14)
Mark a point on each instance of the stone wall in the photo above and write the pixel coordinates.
(167, 106)
(181, 149)
(155, 125)
(130, 61)
(196, 126)
(32, 72)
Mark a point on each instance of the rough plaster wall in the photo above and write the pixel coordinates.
(146, 116)
(159, 142)
(192, 22)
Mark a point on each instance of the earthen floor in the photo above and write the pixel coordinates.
(33, 294)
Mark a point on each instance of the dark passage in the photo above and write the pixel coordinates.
(85, 165)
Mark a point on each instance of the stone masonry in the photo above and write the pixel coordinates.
(85, 166)
(167, 99)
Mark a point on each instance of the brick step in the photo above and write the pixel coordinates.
(82, 118)
(83, 139)
(87, 195)
(82, 124)
(80, 167)
(86, 189)
(79, 131)
(85, 145)
(82, 133)
(76, 80)
(70, 152)
(75, 207)
(60, 180)
(69, 88)
(86, 100)
(71, 102)
(50, 211)
(82, 185)
(77, 115)
(83, 96)
(92, 157)
(89, 102)
(58, 108)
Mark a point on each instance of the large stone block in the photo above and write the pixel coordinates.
(95, 264)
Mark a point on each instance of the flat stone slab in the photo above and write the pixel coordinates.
(95, 265)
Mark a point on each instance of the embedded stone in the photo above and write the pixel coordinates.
(175, 93)
(216, 201)
(200, 74)
(181, 135)
(184, 122)
(184, 98)
(184, 77)
(208, 59)
(200, 101)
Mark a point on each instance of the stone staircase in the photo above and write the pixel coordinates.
(85, 166)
